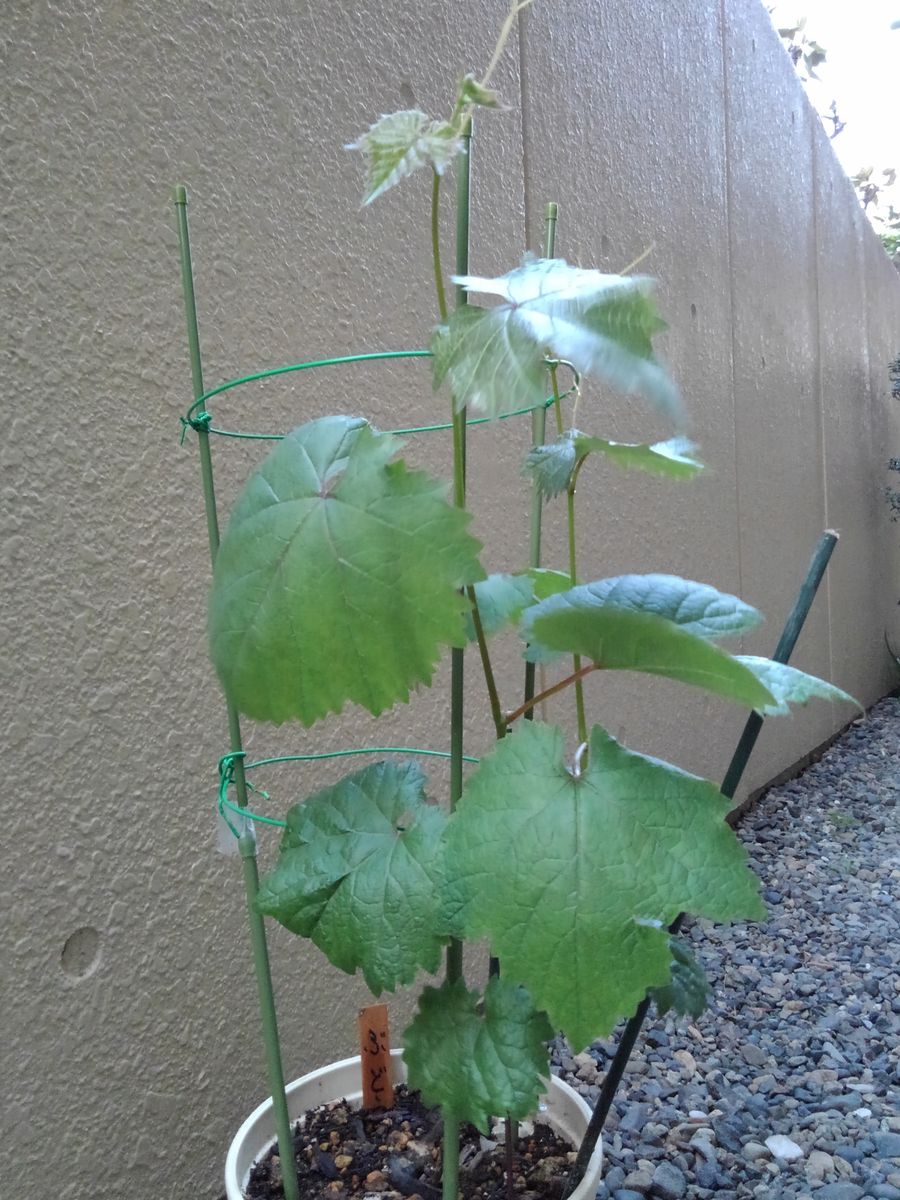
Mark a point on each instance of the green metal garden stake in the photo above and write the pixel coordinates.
(450, 1161)
(538, 434)
(266, 996)
(247, 841)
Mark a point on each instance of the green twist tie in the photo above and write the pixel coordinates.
(202, 420)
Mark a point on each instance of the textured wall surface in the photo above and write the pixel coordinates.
(130, 1049)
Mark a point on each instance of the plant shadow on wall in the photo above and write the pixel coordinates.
(344, 575)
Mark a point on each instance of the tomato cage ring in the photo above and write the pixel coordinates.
(198, 417)
(226, 768)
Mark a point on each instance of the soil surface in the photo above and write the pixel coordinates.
(395, 1154)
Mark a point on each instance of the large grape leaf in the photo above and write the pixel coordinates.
(659, 624)
(602, 324)
(493, 363)
(575, 879)
(398, 144)
(360, 871)
(697, 608)
(501, 601)
(790, 686)
(478, 1060)
(337, 577)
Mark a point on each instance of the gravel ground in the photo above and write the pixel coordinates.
(789, 1085)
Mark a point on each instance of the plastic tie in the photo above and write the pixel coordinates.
(201, 421)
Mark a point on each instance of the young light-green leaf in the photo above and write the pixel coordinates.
(687, 991)
(548, 583)
(337, 579)
(602, 324)
(501, 601)
(360, 873)
(658, 624)
(398, 144)
(551, 465)
(478, 1061)
(576, 879)
(471, 92)
(790, 686)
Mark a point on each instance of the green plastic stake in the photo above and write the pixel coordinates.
(450, 1163)
(266, 996)
(247, 842)
(538, 434)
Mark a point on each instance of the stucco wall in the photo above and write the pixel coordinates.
(129, 1049)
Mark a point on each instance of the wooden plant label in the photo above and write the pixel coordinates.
(375, 1057)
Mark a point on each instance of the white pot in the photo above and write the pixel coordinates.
(566, 1111)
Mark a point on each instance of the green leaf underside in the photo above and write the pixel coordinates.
(359, 872)
(657, 624)
(687, 991)
(697, 608)
(790, 686)
(478, 1063)
(399, 144)
(501, 601)
(602, 324)
(337, 579)
(551, 465)
(672, 459)
(575, 881)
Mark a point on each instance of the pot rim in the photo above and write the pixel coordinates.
(565, 1107)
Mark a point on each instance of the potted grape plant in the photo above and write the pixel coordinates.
(345, 573)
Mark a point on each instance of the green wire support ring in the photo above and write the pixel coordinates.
(226, 776)
(198, 418)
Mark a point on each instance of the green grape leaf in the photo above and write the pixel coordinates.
(673, 459)
(501, 601)
(575, 878)
(601, 324)
(478, 1060)
(492, 363)
(687, 991)
(696, 608)
(790, 686)
(548, 583)
(658, 624)
(472, 92)
(552, 464)
(398, 144)
(337, 579)
(360, 872)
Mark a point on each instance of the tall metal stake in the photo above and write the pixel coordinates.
(538, 434)
(247, 841)
(783, 651)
